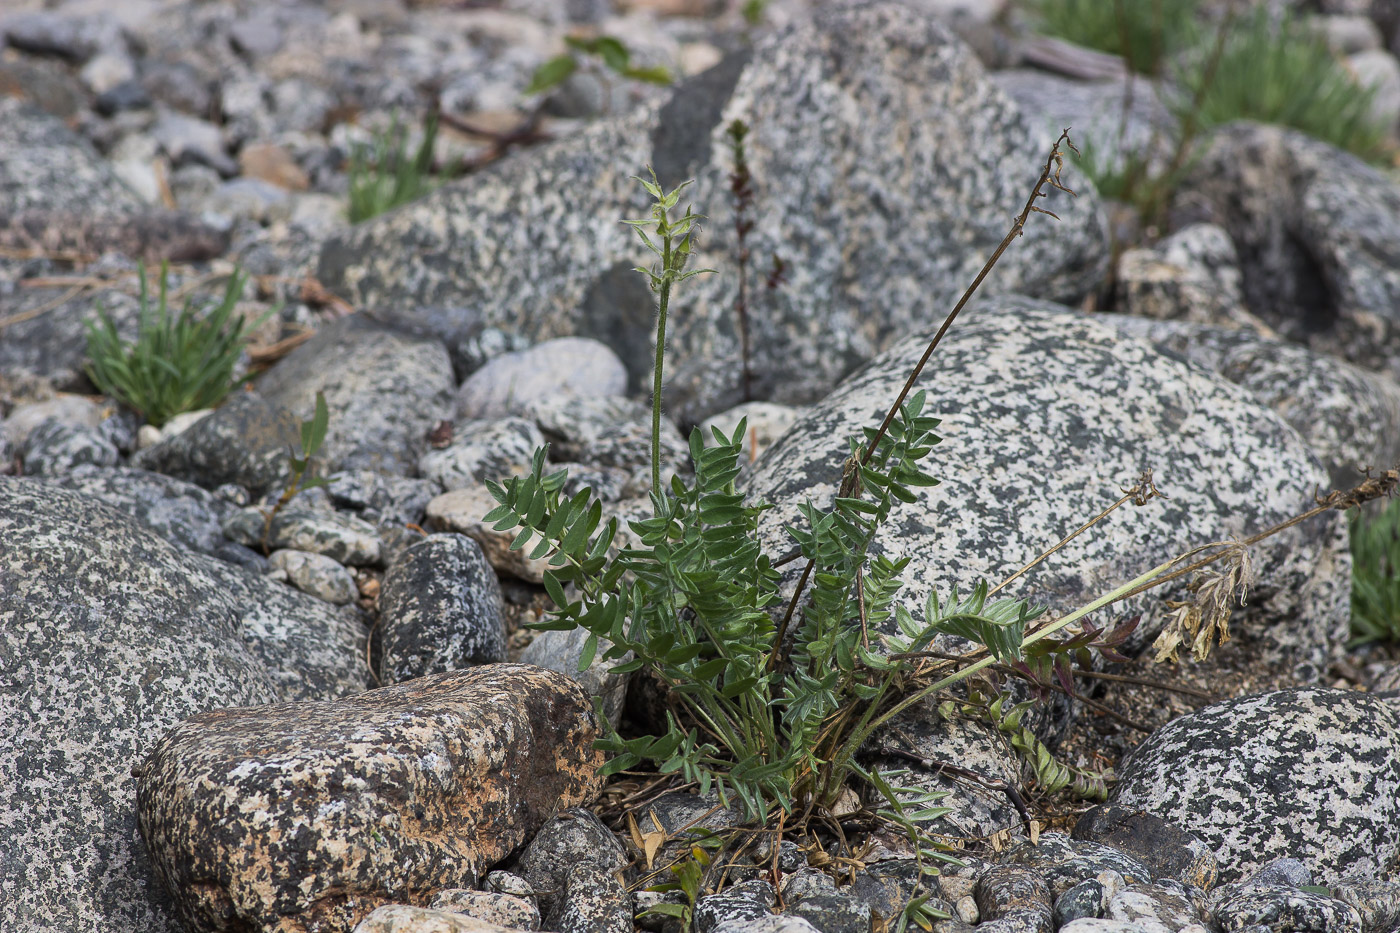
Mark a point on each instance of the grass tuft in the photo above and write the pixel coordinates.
(177, 363)
(1375, 581)
(1145, 32)
(383, 175)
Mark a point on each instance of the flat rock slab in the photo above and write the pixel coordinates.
(886, 168)
(1046, 415)
(307, 816)
(1308, 773)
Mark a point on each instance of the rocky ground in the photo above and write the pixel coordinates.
(336, 720)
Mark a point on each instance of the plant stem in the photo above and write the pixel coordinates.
(663, 306)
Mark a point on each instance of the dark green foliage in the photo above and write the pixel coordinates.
(1375, 580)
(178, 363)
(384, 176)
(1147, 33)
(1278, 71)
(610, 51)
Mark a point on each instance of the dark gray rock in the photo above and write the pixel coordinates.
(307, 816)
(1008, 890)
(1084, 900)
(1047, 415)
(385, 391)
(735, 907)
(73, 37)
(1166, 849)
(1349, 416)
(1065, 862)
(55, 448)
(248, 440)
(1318, 234)
(108, 636)
(1265, 776)
(1283, 910)
(440, 610)
(508, 383)
(182, 513)
(573, 863)
(883, 194)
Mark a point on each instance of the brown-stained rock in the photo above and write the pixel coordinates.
(305, 817)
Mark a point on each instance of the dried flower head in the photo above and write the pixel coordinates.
(1214, 594)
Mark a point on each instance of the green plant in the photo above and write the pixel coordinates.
(614, 56)
(694, 603)
(383, 175)
(1145, 32)
(313, 434)
(177, 363)
(1375, 581)
(1278, 71)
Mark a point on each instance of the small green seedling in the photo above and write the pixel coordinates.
(313, 434)
(606, 49)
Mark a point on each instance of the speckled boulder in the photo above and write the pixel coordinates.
(54, 448)
(440, 610)
(108, 637)
(1308, 773)
(561, 650)
(1318, 233)
(182, 513)
(1046, 415)
(1349, 416)
(883, 194)
(564, 366)
(492, 450)
(1284, 910)
(307, 816)
(248, 440)
(385, 390)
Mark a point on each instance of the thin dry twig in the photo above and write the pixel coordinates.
(1049, 175)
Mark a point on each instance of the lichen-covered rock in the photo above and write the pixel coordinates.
(882, 195)
(307, 816)
(248, 440)
(767, 923)
(1084, 900)
(1318, 233)
(737, 906)
(1046, 416)
(440, 610)
(1307, 772)
(481, 451)
(108, 636)
(508, 383)
(574, 864)
(385, 390)
(1162, 905)
(1349, 416)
